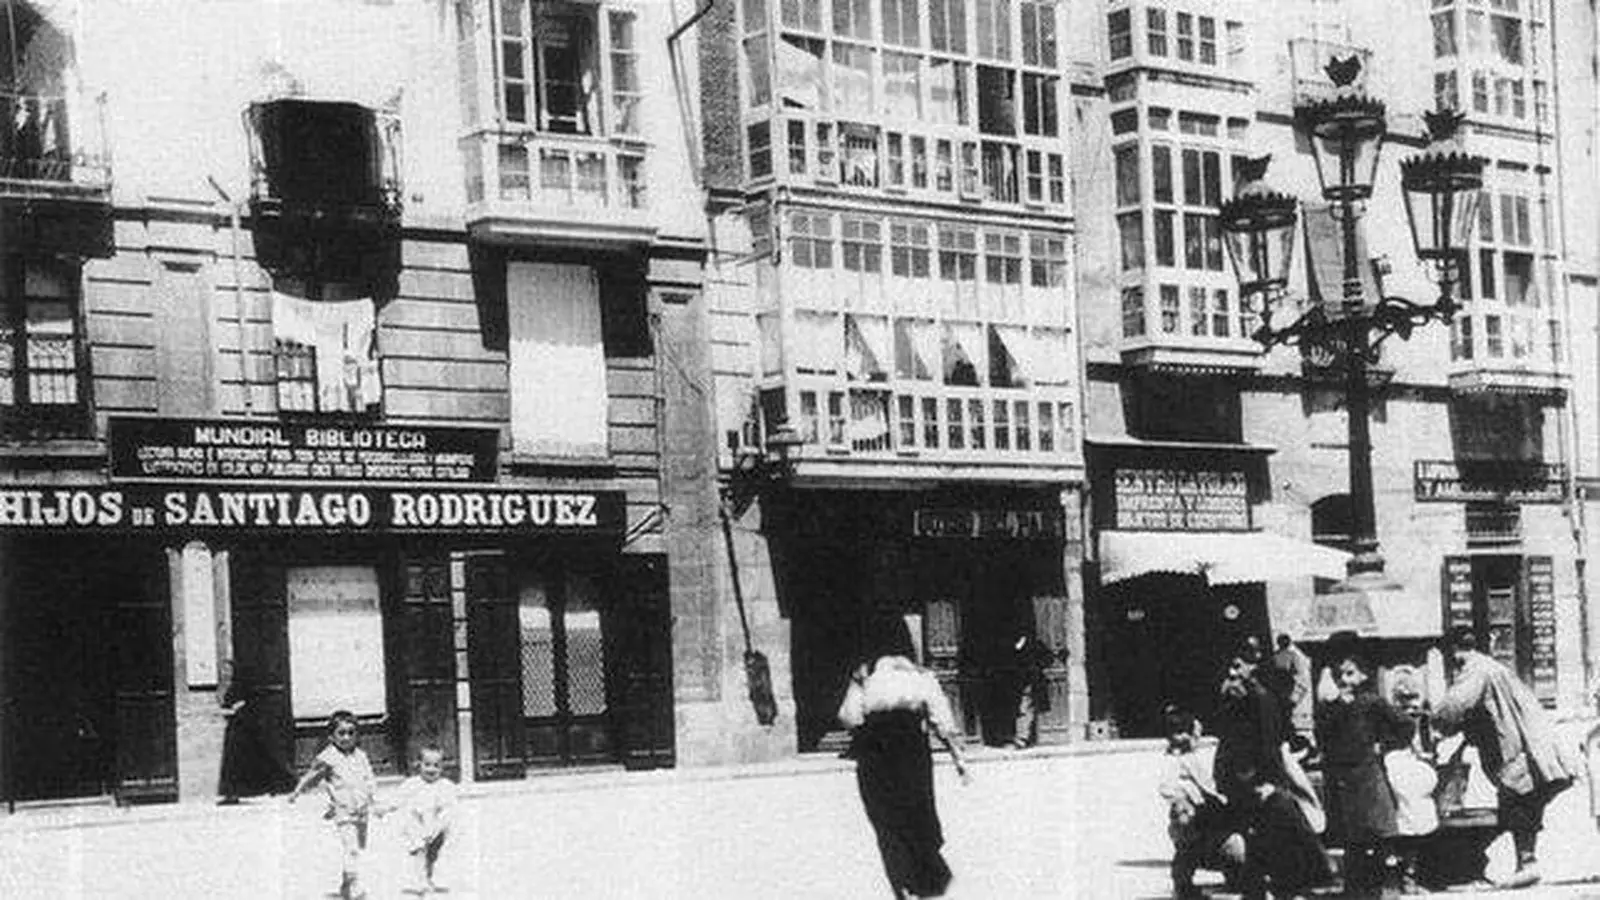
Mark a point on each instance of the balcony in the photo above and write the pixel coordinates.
(554, 189)
(55, 175)
(928, 430)
(325, 191)
(1501, 349)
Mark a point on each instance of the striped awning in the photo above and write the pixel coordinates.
(1221, 557)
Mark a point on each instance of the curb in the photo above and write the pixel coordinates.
(102, 814)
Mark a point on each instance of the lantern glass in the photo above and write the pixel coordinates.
(1346, 140)
(1262, 255)
(1441, 194)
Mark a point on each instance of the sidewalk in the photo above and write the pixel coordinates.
(101, 812)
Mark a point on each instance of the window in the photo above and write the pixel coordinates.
(861, 244)
(550, 66)
(1444, 34)
(1133, 324)
(757, 64)
(947, 92)
(852, 79)
(895, 151)
(919, 162)
(958, 254)
(1161, 173)
(758, 144)
(1480, 92)
(1208, 41)
(909, 249)
(1506, 33)
(1047, 261)
(1119, 27)
(1171, 309)
(997, 101)
(557, 371)
(1165, 239)
(1039, 33)
(900, 23)
(336, 658)
(1494, 341)
(1221, 317)
(947, 25)
(902, 86)
(811, 240)
(1127, 166)
(325, 355)
(626, 92)
(1199, 315)
(806, 14)
(1185, 37)
(1002, 258)
(1130, 229)
(1445, 92)
(755, 15)
(852, 18)
(41, 381)
(799, 158)
(1156, 31)
(1039, 105)
(992, 26)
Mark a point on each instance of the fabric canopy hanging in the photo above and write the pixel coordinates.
(965, 354)
(1221, 557)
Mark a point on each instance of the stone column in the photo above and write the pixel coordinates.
(1072, 577)
(195, 688)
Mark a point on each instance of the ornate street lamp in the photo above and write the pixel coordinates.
(1440, 185)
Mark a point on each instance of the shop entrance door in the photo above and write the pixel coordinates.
(89, 671)
(540, 662)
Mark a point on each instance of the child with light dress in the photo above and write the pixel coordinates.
(425, 804)
(345, 773)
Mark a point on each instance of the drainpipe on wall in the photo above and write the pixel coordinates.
(238, 295)
(685, 106)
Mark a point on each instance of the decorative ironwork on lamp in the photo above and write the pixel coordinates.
(1441, 191)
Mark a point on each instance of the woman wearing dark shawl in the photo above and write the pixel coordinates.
(890, 707)
(250, 768)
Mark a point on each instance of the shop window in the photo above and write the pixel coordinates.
(336, 658)
(42, 373)
(563, 645)
(557, 361)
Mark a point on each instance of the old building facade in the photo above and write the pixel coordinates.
(351, 378)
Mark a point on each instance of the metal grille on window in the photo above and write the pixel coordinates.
(538, 651)
(585, 656)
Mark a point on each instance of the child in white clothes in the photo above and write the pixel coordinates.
(426, 803)
(345, 772)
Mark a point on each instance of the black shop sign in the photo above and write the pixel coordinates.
(150, 507)
(239, 450)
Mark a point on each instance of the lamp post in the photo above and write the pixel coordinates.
(1440, 189)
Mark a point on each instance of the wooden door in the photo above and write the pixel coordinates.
(260, 614)
(640, 620)
(426, 659)
(1050, 625)
(146, 724)
(494, 663)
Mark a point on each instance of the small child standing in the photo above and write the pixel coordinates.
(345, 772)
(426, 803)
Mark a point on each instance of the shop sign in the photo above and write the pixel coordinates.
(1501, 480)
(228, 450)
(1542, 618)
(153, 507)
(1017, 524)
(1181, 500)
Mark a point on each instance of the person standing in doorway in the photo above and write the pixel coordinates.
(1294, 672)
(1516, 744)
(1030, 691)
(250, 767)
(890, 707)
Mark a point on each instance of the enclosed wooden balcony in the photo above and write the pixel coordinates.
(325, 190)
(55, 175)
(556, 189)
(1503, 349)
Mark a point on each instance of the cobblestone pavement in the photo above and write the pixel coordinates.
(1032, 825)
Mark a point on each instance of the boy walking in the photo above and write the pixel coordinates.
(426, 804)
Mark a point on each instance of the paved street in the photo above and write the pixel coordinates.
(1029, 827)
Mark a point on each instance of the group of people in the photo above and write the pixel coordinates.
(1254, 814)
(424, 803)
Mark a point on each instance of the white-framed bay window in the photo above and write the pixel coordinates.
(566, 68)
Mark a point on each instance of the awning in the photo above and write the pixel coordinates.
(1221, 557)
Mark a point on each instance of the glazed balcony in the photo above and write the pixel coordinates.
(569, 190)
(928, 430)
(55, 174)
(1507, 350)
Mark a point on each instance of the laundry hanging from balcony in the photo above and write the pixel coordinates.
(326, 355)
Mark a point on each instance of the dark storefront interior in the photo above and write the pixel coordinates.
(88, 670)
(844, 559)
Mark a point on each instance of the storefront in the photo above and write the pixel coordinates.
(1182, 575)
(366, 568)
(970, 569)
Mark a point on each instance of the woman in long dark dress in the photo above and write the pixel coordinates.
(250, 768)
(890, 707)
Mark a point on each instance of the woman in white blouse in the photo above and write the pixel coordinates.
(890, 707)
